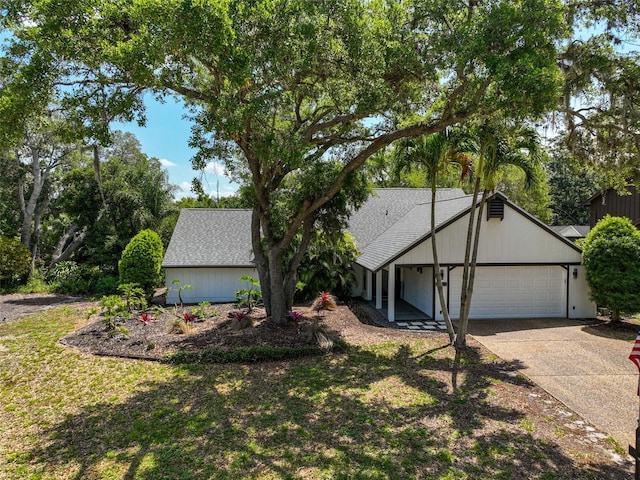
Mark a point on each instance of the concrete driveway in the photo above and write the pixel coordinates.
(573, 361)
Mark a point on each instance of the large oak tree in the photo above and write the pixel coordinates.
(295, 95)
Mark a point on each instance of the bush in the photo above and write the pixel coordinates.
(73, 278)
(611, 257)
(107, 285)
(327, 266)
(15, 261)
(141, 261)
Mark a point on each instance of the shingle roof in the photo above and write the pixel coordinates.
(410, 228)
(209, 237)
(572, 231)
(386, 206)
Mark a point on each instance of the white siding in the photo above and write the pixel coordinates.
(418, 287)
(515, 291)
(208, 284)
(359, 282)
(516, 239)
(580, 306)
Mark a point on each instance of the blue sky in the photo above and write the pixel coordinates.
(166, 137)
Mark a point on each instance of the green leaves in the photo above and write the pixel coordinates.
(15, 260)
(141, 261)
(611, 256)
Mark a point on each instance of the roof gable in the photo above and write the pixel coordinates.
(415, 226)
(410, 229)
(210, 237)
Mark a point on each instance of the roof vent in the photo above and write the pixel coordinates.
(495, 209)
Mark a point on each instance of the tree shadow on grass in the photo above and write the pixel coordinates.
(389, 411)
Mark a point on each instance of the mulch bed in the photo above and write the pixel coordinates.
(157, 339)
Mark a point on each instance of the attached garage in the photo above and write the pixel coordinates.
(513, 292)
(524, 268)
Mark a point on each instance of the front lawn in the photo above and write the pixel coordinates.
(393, 410)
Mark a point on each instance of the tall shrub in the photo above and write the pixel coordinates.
(327, 266)
(611, 257)
(15, 260)
(141, 261)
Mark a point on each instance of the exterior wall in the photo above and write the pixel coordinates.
(617, 206)
(418, 287)
(359, 287)
(580, 305)
(516, 239)
(208, 284)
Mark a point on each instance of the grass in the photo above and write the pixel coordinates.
(385, 411)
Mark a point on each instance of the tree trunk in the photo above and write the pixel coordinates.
(28, 208)
(262, 263)
(291, 272)
(463, 324)
(278, 302)
(436, 266)
(65, 249)
(467, 252)
(615, 315)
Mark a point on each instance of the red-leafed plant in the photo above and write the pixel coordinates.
(189, 317)
(324, 301)
(146, 318)
(295, 316)
(237, 314)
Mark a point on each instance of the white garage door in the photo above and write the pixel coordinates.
(518, 292)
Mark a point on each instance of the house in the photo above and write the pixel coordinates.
(524, 269)
(610, 202)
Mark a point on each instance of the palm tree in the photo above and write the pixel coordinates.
(497, 147)
(435, 154)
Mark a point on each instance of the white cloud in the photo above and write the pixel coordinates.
(166, 163)
(185, 186)
(215, 168)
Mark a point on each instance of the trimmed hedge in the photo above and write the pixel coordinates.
(611, 257)
(141, 261)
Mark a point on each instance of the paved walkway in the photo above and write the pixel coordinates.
(571, 360)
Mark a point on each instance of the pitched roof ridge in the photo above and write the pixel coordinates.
(441, 200)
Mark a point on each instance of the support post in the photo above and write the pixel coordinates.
(369, 292)
(379, 289)
(391, 295)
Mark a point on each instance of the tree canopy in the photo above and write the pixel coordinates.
(293, 95)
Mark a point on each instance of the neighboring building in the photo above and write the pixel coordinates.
(612, 203)
(524, 268)
(572, 232)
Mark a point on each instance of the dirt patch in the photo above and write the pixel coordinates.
(19, 305)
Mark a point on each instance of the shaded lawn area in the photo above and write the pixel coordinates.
(393, 410)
